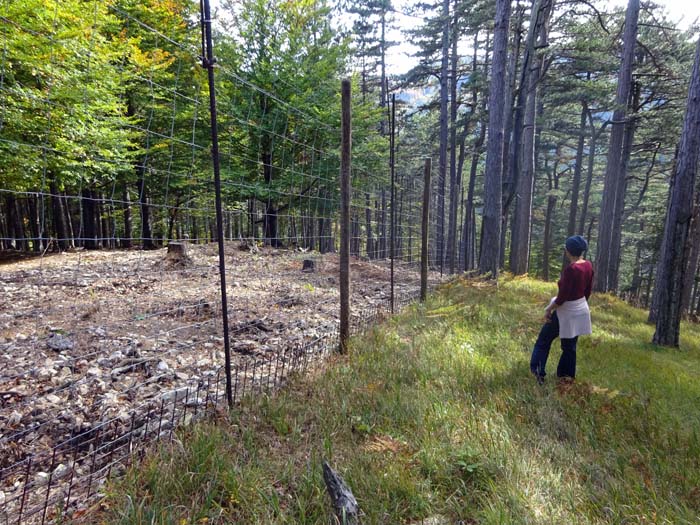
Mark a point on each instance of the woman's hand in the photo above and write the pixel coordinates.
(548, 315)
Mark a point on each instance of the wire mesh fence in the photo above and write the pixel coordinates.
(63, 481)
(110, 313)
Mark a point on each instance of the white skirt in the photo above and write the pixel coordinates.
(574, 318)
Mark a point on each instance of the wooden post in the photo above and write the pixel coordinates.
(345, 148)
(424, 232)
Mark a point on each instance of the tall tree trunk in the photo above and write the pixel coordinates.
(589, 176)
(469, 215)
(693, 257)
(368, 227)
(384, 243)
(547, 245)
(16, 218)
(89, 229)
(509, 175)
(636, 286)
(576, 182)
(146, 231)
(35, 227)
(270, 219)
(522, 219)
(614, 175)
(512, 168)
(455, 175)
(69, 222)
(616, 237)
(675, 246)
(490, 242)
(99, 222)
(442, 169)
(58, 215)
(126, 241)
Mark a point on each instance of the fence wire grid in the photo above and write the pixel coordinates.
(110, 313)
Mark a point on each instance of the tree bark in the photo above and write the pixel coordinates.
(368, 227)
(693, 257)
(146, 232)
(469, 215)
(126, 241)
(589, 176)
(675, 248)
(58, 215)
(490, 243)
(616, 236)
(576, 181)
(442, 168)
(89, 227)
(613, 172)
(546, 247)
(520, 243)
(455, 176)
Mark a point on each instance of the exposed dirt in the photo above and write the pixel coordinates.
(88, 336)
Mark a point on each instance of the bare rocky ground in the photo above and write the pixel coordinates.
(86, 337)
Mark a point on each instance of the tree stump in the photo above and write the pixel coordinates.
(344, 503)
(177, 255)
(308, 266)
(248, 245)
(177, 250)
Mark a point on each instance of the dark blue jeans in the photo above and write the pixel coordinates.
(567, 361)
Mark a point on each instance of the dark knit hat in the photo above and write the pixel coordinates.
(576, 245)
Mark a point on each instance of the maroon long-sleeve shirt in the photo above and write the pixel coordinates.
(576, 282)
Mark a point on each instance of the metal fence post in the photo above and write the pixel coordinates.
(345, 159)
(208, 62)
(424, 233)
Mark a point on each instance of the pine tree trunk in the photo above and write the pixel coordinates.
(512, 168)
(589, 180)
(693, 257)
(455, 176)
(576, 182)
(510, 176)
(522, 219)
(675, 245)
(490, 242)
(613, 170)
(546, 248)
(470, 215)
(442, 169)
(616, 237)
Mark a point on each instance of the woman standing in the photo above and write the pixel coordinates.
(567, 315)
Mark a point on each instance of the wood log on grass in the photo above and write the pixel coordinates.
(344, 503)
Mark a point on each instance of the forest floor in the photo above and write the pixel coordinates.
(89, 336)
(435, 418)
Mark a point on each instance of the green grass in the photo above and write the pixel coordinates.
(435, 413)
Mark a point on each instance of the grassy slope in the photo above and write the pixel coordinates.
(435, 414)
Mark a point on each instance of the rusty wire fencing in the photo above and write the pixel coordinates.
(62, 482)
